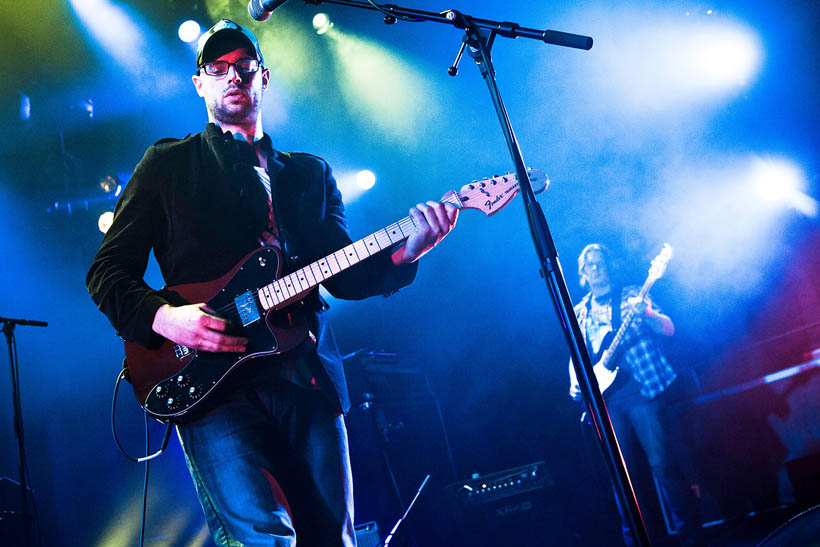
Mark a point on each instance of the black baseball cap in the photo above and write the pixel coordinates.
(225, 29)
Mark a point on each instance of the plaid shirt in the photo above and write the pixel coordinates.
(640, 354)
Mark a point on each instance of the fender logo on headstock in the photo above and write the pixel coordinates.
(503, 189)
(489, 204)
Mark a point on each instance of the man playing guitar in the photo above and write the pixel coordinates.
(270, 460)
(644, 385)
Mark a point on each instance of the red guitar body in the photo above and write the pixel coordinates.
(171, 381)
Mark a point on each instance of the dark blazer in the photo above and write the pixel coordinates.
(199, 205)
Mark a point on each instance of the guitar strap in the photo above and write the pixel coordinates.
(276, 162)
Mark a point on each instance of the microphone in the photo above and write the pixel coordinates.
(261, 9)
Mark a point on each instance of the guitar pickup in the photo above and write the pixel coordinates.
(246, 306)
(181, 351)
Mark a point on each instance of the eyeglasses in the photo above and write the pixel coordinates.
(589, 266)
(219, 69)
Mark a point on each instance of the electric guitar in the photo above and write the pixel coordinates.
(605, 368)
(174, 379)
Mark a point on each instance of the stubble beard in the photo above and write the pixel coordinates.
(239, 114)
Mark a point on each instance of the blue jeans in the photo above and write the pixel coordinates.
(652, 425)
(270, 466)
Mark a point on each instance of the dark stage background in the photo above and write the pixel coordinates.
(667, 130)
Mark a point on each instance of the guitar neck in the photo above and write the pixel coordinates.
(621, 334)
(305, 279)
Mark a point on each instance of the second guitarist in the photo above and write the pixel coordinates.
(638, 400)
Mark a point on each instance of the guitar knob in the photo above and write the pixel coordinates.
(171, 403)
(194, 392)
(159, 390)
(182, 380)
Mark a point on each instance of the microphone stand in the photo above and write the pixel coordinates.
(8, 330)
(479, 37)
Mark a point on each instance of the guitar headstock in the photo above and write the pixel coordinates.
(660, 262)
(492, 194)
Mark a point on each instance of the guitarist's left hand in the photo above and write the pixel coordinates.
(434, 220)
(654, 319)
(641, 307)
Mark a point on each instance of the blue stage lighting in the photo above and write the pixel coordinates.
(365, 179)
(112, 27)
(189, 31)
(671, 61)
(781, 182)
(25, 106)
(104, 222)
(322, 23)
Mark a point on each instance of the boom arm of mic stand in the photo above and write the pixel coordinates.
(453, 17)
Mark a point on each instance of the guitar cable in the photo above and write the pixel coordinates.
(144, 459)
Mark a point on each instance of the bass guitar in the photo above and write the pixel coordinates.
(171, 381)
(605, 368)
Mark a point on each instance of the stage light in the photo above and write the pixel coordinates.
(108, 184)
(781, 182)
(724, 58)
(104, 222)
(667, 61)
(322, 23)
(774, 181)
(189, 31)
(84, 108)
(25, 106)
(354, 184)
(133, 44)
(383, 90)
(113, 28)
(365, 179)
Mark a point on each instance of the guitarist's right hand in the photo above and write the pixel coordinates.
(193, 326)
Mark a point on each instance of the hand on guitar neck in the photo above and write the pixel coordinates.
(655, 320)
(433, 220)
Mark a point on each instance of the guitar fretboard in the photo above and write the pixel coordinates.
(304, 279)
(654, 274)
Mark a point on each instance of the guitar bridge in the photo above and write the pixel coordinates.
(246, 306)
